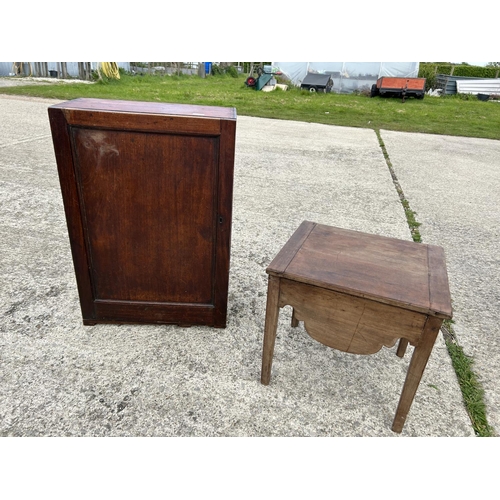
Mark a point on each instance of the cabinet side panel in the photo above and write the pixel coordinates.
(72, 208)
(149, 216)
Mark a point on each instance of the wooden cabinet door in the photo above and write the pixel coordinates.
(147, 189)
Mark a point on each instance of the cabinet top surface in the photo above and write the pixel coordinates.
(142, 107)
(402, 273)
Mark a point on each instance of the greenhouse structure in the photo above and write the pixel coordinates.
(348, 77)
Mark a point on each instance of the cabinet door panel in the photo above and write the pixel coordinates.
(148, 203)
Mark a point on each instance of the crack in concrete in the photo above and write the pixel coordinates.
(21, 141)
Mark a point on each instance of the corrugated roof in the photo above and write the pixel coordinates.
(486, 86)
(449, 82)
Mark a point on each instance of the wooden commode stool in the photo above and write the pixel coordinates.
(357, 292)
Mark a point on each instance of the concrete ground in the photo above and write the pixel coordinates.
(59, 378)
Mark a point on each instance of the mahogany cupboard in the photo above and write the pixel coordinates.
(147, 192)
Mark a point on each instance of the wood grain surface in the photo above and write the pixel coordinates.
(388, 270)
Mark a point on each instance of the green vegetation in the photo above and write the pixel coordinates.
(435, 115)
(412, 222)
(472, 392)
(458, 70)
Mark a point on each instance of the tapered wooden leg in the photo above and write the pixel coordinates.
(295, 321)
(416, 369)
(403, 344)
(272, 313)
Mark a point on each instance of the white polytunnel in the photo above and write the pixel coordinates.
(348, 76)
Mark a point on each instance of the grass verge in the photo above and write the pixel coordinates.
(449, 115)
(472, 391)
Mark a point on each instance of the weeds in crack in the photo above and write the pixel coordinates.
(410, 214)
(472, 391)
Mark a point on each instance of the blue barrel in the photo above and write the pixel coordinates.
(208, 68)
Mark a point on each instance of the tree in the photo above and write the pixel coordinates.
(493, 65)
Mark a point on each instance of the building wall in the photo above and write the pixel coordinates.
(72, 67)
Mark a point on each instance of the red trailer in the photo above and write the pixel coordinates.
(388, 86)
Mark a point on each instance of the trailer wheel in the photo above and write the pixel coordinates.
(312, 89)
(374, 90)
